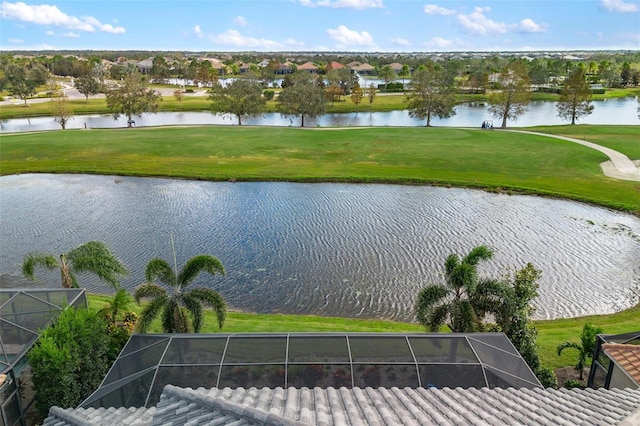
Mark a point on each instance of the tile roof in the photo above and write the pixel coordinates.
(368, 406)
(626, 356)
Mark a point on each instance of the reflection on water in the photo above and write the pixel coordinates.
(613, 111)
(328, 249)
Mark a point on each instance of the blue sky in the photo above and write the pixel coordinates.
(321, 25)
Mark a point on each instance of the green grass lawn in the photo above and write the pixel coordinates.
(551, 332)
(497, 161)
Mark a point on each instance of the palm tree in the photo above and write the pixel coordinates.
(463, 299)
(176, 304)
(93, 257)
(585, 348)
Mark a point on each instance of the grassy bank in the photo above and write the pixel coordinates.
(551, 332)
(497, 161)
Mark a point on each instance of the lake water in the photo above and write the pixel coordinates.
(612, 111)
(329, 249)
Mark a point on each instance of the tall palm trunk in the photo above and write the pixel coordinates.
(67, 282)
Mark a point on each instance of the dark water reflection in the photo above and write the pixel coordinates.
(328, 249)
(613, 111)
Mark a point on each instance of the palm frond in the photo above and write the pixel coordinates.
(214, 300)
(565, 345)
(438, 317)
(95, 257)
(194, 307)
(427, 300)
(477, 254)
(198, 264)
(450, 263)
(160, 269)
(463, 277)
(463, 317)
(174, 319)
(149, 313)
(148, 291)
(490, 296)
(33, 260)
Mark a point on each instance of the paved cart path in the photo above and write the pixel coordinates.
(619, 165)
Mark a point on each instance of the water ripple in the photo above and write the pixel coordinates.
(327, 249)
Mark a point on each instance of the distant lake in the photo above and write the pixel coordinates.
(611, 111)
(361, 251)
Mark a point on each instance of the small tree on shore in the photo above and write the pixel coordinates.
(88, 85)
(132, 97)
(512, 96)
(242, 98)
(575, 98)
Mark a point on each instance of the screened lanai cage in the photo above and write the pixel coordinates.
(149, 362)
(24, 314)
(602, 368)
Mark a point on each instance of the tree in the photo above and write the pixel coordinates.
(585, 348)
(61, 112)
(386, 74)
(92, 257)
(512, 97)
(175, 304)
(159, 69)
(371, 93)
(356, 95)
(334, 92)
(242, 98)
(19, 82)
(575, 98)
(178, 95)
(132, 97)
(514, 319)
(625, 74)
(431, 94)
(404, 73)
(303, 97)
(463, 299)
(87, 85)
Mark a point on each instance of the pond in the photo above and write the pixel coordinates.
(612, 111)
(329, 249)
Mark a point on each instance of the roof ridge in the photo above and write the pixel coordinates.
(229, 407)
(68, 416)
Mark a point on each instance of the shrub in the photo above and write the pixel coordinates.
(70, 359)
(188, 90)
(268, 94)
(572, 384)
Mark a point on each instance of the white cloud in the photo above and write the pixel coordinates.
(50, 15)
(293, 43)
(400, 42)
(108, 28)
(50, 33)
(240, 20)
(235, 39)
(477, 23)
(529, 26)
(71, 34)
(16, 40)
(440, 43)
(346, 37)
(434, 9)
(619, 6)
(197, 31)
(346, 4)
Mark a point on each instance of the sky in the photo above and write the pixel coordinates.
(321, 25)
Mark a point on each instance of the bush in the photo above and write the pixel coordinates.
(268, 94)
(70, 359)
(188, 91)
(572, 384)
